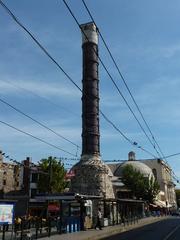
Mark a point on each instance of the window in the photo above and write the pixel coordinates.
(34, 177)
(33, 193)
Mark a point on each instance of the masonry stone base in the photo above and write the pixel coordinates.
(92, 177)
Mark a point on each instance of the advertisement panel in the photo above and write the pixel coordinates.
(6, 213)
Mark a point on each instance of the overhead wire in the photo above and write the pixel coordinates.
(21, 164)
(130, 141)
(112, 79)
(38, 43)
(63, 159)
(67, 159)
(172, 155)
(64, 72)
(39, 96)
(37, 138)
(15, 161)
(38, 122)
(123, 79)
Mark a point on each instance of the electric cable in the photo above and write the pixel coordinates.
(38, 122)
(39, 96)
(37, 42)
(113, 81)
(140, 112)
(58, 65)
(37, 138)
(15, 161)
(124, 81)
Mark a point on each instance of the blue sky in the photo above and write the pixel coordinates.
(144, 38)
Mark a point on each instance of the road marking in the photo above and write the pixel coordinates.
(171, 233)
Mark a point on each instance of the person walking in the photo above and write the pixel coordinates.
(99, 218)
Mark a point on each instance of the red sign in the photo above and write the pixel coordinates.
(70, 174)
(53, 208)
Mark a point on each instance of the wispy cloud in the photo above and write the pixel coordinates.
(11, 135)
(38, 87)
(171, 50)
(166, 50)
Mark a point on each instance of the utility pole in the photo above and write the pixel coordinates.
(50, 175)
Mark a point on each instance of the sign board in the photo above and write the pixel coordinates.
(70, 174)
(53, 207)
(6, 213)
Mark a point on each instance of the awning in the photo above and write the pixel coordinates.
(160, 204)
(153, 205)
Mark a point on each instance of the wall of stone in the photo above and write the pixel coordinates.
(92, 177)
(9, 177)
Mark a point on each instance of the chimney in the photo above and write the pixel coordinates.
(90, 95)
(26, 175)
(131, 156)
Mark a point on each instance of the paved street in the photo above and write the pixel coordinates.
(107, 231)
(168, 229)
(152, 228)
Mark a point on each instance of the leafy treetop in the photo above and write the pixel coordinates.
(52, 177)
(141, 187)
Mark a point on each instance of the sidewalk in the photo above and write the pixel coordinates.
(107, 231)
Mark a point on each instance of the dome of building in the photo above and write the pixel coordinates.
(137, 165)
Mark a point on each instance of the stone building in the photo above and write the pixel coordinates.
(18, 183)
(163, 174)
(120, 191)
(157, 168)
(9, 176)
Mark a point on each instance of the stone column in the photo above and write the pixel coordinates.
(92, 176)
(90, 95)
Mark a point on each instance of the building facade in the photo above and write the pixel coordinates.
(163, 174)
(9, 176)
(157, 168)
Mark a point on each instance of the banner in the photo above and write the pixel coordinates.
(6, 213)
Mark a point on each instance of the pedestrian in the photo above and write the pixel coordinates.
(99, 218)
(17, 224)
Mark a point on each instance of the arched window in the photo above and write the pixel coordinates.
(155, 173)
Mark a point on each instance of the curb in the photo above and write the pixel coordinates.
(122, 229)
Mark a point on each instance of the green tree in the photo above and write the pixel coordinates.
(52, 176)
(140, 186)
(151, 190)
(133, 180)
